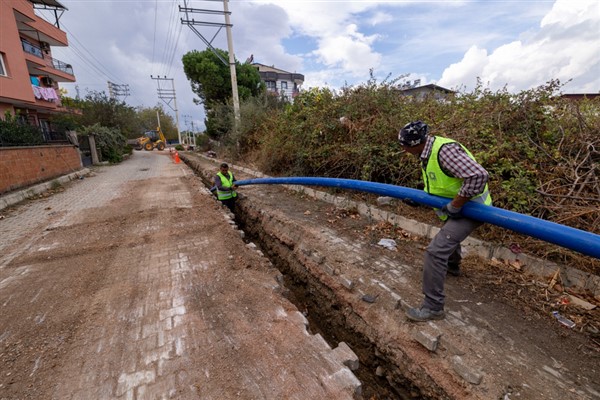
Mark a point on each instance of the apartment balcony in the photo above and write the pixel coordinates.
(281, 76)
(39, 62)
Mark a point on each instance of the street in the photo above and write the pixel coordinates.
(133, 283)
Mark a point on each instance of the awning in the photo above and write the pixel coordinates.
(49, 4)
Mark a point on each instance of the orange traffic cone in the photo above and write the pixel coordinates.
(176, 159)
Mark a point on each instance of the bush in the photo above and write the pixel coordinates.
(541, 150)
(15, 133)
(110, 143)
(203, 142)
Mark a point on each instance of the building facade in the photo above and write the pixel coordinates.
(421, 91)
(282, 83)
(29, 75)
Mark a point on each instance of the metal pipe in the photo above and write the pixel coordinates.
(584, 242)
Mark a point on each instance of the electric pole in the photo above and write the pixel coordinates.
(115, 91)
(191, 133)
(192, 22)
(168, 95)
(234, 88)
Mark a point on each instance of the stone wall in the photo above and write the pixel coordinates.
(24, 166)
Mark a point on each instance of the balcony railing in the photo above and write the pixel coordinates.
(31, 49)
(61, 66)
(51, 62)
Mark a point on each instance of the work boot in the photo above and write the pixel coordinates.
(424, 314)
(454, 269)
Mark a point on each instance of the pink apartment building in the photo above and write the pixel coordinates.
(29, 75)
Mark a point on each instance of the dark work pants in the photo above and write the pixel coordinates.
(444, 247)
(230, 203)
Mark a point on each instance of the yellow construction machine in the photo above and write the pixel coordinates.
(151, 140)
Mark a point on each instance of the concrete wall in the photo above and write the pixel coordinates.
(24, 166)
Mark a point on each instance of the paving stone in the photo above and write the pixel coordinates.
(427, 339)
(344, 354)
(468, 373)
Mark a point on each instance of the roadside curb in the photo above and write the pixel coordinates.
(24, 194)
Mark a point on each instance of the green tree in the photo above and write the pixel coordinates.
(97, 107)
(210, 79)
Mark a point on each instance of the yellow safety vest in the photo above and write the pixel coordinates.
(440, 184)
(226, 182)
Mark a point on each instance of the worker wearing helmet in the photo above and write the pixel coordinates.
(225, 187)
(449, 170)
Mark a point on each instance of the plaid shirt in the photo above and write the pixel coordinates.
(455, 162)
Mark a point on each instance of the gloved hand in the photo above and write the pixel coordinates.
(451, 211)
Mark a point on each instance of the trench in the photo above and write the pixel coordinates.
(329, 316)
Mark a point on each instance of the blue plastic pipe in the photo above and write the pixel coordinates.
(581, 241)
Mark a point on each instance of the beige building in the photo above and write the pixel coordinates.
(283, 83)
(29, 75)
(419, 92)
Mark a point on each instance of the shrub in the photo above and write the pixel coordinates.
(110, 143)
(15, 133)
(540, 149)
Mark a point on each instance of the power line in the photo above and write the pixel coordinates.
(155, 26)
(169, 35)
(97, 63)
(175, 49)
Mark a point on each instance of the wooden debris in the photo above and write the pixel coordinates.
(516, 264)
(554, 278)
(581, 303)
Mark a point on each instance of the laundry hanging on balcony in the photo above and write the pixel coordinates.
(44, 93)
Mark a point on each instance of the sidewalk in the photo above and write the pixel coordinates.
(134, 283)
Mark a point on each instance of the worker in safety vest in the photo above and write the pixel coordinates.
(224, 184)
(449, 170)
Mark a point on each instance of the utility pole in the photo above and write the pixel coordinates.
(115, 90)
(168, 95)
(234, 88)
(191, 134)
(192, 22)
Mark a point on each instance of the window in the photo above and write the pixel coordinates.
(283, 84)
(271, 85)
(2, 66)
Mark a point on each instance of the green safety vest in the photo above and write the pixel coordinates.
(440, 184)
(226, 182)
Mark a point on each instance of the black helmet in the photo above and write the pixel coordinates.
(413, 133)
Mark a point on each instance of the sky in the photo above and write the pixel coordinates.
(512, 44)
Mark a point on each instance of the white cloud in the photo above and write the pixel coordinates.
(331, 24)
(379, 18)
(352, 51)
(565, 48)
(335, 42)
(468, 69)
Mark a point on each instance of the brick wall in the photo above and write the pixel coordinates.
(25, 166)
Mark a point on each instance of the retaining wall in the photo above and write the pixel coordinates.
(24, 166)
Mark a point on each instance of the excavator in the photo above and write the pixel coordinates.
(151, 140)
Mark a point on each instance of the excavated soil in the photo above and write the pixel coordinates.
(501, 313)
